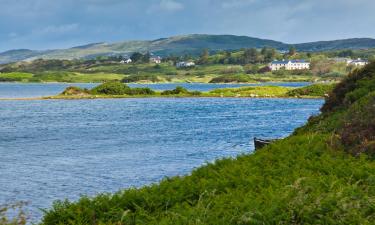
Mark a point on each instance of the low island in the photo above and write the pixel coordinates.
(121, 90)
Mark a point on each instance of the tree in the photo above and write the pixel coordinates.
(204, 57)
(136, 57)
(292, 51)
(251, 56)
(146, 57)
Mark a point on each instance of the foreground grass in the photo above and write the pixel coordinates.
(294, 181)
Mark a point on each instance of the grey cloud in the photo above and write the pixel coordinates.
(40, 24)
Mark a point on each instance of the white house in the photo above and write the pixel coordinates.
(126, 61)
(289, 65)
(156, 60)
(357, 62)
(185, 64)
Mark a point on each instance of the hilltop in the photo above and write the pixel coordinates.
(179, 45)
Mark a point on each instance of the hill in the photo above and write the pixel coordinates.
(179, 45)
(322, 174)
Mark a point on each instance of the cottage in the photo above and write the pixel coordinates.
(289, 65)
(126, 61)
(185, 64)
(357, 62)
(156, 60)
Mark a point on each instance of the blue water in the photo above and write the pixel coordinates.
(20, 90)
(57, 149)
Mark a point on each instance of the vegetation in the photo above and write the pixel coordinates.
(307, 178)
(312, 90)
(235, 78)
(20, 217)
(117, 88)
(121, 90)
(180, 91)
(243, 65)
(257, 91)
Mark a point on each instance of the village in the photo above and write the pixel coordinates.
(274, 65)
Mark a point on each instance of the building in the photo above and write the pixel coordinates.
(289, 65)
(155, 59)
(357, 62)
(126, 61)
(185, 64)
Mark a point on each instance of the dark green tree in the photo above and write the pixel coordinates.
(204, 57)
(292, 51)
(136, 57)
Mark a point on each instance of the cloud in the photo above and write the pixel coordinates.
(56, 29)
(38, 24)
(169, 5)
(237, 3)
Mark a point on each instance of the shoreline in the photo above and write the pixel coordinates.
(143, 97)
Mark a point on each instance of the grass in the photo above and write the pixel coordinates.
(15, 76)
(55, 76)
(258, 91)
(119, 90)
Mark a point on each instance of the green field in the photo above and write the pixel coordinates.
(164, 73)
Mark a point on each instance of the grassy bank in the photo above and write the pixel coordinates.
(322, 174)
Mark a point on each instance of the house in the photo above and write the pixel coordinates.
(298, 64)
(156, 60)
(126, 61)
(357, 62)
(341, 60)
(184, 64)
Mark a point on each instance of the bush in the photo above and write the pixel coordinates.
(75, 91)
(141, 91)
(181, 91)
(316, 90)
(176, 91)
(111, 88)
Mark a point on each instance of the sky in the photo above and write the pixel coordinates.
(52, 24)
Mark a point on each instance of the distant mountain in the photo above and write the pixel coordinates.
(179, 45)
(353, 43)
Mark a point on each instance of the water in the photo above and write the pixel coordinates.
(57, 149)
(20, 90)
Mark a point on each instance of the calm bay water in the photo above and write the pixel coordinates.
(20, 90)
(56, 149)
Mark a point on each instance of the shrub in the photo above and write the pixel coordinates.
(75, 91)
(181, 91)
(140, 91)
(358, 132)
(356, 85)
(176, 91)
(317, 90)
(111, 88)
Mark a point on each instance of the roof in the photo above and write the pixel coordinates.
(359, 60)
(287, 61)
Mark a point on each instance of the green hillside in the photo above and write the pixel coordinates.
(322, 174)
(180, 45)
